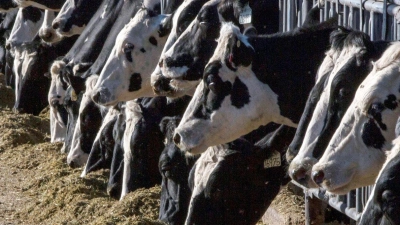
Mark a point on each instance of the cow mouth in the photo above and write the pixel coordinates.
(338, 187)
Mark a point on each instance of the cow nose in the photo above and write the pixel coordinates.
(8, 45)
(318, 176)
(56, 24)
(177, 139)
(96, 97)
(47, 35)
(162, 84)
(54, 102)
(160, 64)
(299, 174)
(72, 164)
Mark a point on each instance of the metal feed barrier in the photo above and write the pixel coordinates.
(381, 21)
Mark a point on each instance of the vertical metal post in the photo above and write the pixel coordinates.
(345, 16)
(372, 27)
(384, 22)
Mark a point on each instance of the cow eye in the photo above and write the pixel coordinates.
(128, 48)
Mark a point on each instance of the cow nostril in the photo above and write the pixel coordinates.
(318, 176)
(177, 139)
(160, 64)
(299, 174)
(47, 35)
(56, 25)
(72, 164)
(96, 97)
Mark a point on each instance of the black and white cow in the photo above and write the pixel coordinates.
(26, 26)
(100, 156)
(126, 74)
(53, 5)
(176, 25)
(236, 182)
(143, 140)
(46, 31)
(88, 123)
(359, 146)
(184, 62)
(74, 16)
(245, 75)
(352, 66)
(174, 168)
(383, 205)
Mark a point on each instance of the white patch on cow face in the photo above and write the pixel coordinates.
(304, 160)
(46, 31)
(348, 162)
(24, 31)
(228, 122)
(64, 15)
(133, 54)
(133, 115)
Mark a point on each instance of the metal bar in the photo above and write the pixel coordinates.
(384, 22)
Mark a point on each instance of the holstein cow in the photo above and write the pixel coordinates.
(88, 123)
(383, 206)
(143, 140)
(126, 74)
(174, 168)
(236, 182)
(245, 75)
(176, 25)
(53, 5)
(31, 62)
(74, 16)
(351, 67)
(46, 31)
(358, 148)
(100, 156)
(183, 64)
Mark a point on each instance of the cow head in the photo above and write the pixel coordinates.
(46, 31)
(126, 74)
(230, 101)
(74, 15)
(382, 206)
(87, 125)
(351, 66)
(184, 62)
(358, 147)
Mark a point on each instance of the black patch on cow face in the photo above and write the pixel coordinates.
(142, 50)
(214, 93)
(375, 110)
(371, 135)
(31, 13)
(135, 82)
(391, 102)
(240, 94)
(153, 41)
(238, 54)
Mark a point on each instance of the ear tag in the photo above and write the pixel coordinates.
(73, 96)
(238, 44)
(245, 15)
(273, 161)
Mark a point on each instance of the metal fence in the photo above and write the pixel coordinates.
(381, 21)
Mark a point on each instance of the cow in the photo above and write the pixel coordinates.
(88, 123)
(364, 135)
(53, 5)
(352, 66)
(5, 30)
(174, 168)
(74, 16)
(100, 156)
(46, 31)
(236, 182)
(126, 74)
(242, 77)
(26, 26)
(32, 60)
(176, 25)
(143, 140)
(382, 206)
